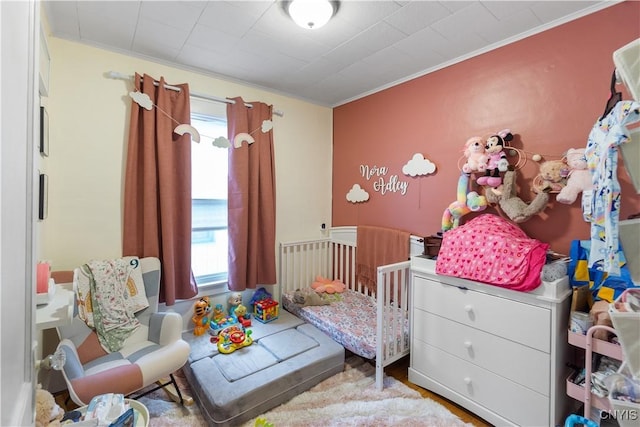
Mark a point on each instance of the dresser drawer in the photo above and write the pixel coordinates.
(514, 361)
(513, 320)
(510, 400)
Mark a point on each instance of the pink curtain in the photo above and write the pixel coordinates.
(157, 193)
(252, 198)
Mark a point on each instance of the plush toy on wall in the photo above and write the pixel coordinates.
(579, 176)
(552, 177)
(48, 413)
(466, 201)
(513, 207)
(498, 162)
(477, 158)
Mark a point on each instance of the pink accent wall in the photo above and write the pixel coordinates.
(549, 89)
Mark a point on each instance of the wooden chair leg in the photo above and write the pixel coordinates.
(174, 393)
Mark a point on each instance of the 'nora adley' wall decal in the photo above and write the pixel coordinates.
(382, 183)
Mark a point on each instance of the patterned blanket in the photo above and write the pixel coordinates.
(103, 301)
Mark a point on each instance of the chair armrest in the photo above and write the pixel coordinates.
(165, 327)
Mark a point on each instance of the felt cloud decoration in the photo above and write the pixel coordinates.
(418, 165)
(142, 99)
(241, 137)
(267, 125)
(357, 194)
(221, 142)
(185, 128)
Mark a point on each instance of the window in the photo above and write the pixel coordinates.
(209, 171)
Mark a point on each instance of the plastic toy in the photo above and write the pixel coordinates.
(218, 314)
(497, 158)
(266, 310)
(477, 158)
(243, 317)
(465, 202)
(259, 295)
(579, 176)
(232, 338)
(215, 326)
(234, 301)
(201, 311)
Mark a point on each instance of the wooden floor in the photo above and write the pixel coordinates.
(400, 371)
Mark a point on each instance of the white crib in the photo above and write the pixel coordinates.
(334, 257)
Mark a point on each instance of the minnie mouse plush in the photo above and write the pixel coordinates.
(497, 158)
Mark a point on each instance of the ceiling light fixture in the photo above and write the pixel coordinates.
(311, 14)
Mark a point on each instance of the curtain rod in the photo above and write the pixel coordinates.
(116, 75)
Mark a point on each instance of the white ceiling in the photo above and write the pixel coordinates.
(366, 47)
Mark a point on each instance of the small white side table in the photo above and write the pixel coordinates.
(59, 311)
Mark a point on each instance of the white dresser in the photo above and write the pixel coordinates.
(501, 354)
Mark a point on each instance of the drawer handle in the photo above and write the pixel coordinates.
(467, 381)
(467, 344)
(468, 308)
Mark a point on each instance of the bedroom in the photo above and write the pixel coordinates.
(88, 121)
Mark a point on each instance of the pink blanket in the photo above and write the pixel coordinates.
(378, 246)
(492, 250)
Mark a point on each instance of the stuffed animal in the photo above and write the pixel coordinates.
(552, 177)
(579, 176)
(498, 162)
(515, 208)
(477, 159)
(329, 286)
(308, 297)
(201, 310)
(48, 412)
(466, 201)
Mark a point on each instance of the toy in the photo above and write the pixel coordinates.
(259, 295)
(234, 300)
(579, 176)
(201, 311)
(232, 338)
(47, 412)
(515, 208)
(552, 176)
(497, 158)
(215, 326)
(477, 159)
(308, 297)
(599, 315)
(266, 310)
(329, 286)
(466, 202)
(243, 317)
(218, 314)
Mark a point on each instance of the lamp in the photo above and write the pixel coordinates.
(311, 14)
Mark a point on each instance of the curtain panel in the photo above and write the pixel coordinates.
(157, 192)
(251, 198)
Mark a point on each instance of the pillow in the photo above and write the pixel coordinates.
(135, 285)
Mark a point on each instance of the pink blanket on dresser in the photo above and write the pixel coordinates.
(492, 250)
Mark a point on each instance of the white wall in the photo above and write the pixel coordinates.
(89, 116)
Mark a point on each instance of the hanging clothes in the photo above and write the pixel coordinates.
(603, 209)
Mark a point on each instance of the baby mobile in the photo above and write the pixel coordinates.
(145, 102)
(488, 158)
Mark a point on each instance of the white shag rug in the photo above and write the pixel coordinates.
(349, 398)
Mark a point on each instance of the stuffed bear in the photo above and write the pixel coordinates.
(552, 177)
(48, 413)
(308, 297)
(516, 209)
(579, 176)
(477, 159)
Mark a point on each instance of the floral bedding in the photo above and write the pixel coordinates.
(350, 321)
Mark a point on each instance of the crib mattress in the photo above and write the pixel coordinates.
(286, 358)
(351, 321)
